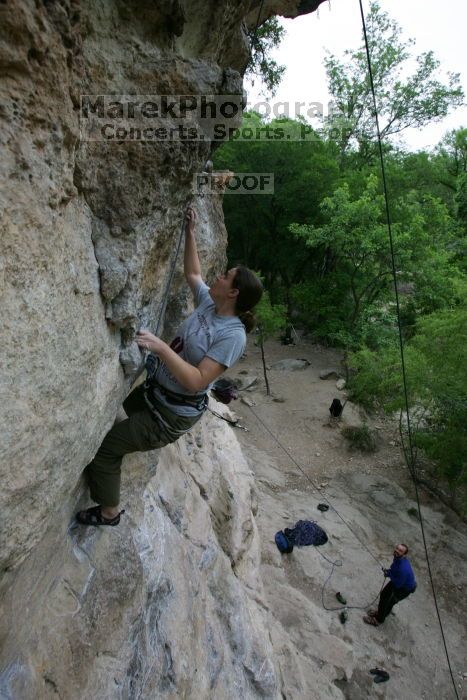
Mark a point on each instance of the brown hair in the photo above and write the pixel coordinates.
(406, 549)
(250, 292)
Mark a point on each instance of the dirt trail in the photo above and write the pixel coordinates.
(373, 494)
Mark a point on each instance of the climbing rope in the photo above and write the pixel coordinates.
(337, 562)
(170, 276)
(255, 32)
(334, 564)
(408, 453)
(323, 498)
(182, 230)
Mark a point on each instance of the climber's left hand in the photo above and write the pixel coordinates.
(148, 341)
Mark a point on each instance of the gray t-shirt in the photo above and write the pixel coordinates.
(203, 334)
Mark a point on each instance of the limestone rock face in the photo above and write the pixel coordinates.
(88, 232)
(166, 605)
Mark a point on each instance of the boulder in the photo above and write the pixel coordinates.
(329, 374)
(245, 381)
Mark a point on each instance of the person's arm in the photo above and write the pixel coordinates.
(396, 574)
(194, 379)
(191, 264)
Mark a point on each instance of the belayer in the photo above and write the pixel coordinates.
(401, 584)
(174, 396)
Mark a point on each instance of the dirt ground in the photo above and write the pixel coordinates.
(372, 499)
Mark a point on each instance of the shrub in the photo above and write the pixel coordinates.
(360, 438)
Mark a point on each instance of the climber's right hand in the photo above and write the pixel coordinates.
(190, 218)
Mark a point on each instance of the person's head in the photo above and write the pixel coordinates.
(250, 291)
(400, 550)
(240, 289)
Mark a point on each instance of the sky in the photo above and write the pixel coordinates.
(337, 26)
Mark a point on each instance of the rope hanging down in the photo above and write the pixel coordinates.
(182, 230)
(255, 32)
(337, 562)
(408, 454)
(170, 276)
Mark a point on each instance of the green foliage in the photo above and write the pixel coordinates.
(453, 153)
(268, 37)
(360, 438)
(378, 379)
(321, 307)
(377, 327)
(304, 172)
(271, 317)
(412, 101)
(355, 288)
(321, 239)
(461, 200)
(435, 360)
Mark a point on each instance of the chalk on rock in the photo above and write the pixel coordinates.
(340, 384)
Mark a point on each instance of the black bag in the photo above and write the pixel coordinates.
(225, 390)
(306, 532)
(336, 408)
(283, 543)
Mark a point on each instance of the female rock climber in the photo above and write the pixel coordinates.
(174, 397)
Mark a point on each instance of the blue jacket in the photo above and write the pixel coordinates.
(401, 574)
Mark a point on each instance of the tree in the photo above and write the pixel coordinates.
(402, 102)
(354, 244)
(304, 172)
(461, 200)
(435, 361)
(453, 151)
(271, 318)
(261, 65)
(356, 272)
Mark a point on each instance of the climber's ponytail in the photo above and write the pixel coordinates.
(248, 320)
(250, 292)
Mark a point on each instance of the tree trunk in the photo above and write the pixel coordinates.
(265, 372)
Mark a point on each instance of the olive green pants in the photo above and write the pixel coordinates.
(140, 432)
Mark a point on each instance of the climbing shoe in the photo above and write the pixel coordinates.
(94, 517)
(341, 598)
(371, 621)
(344, 616)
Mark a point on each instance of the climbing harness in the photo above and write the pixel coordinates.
(408, 453)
